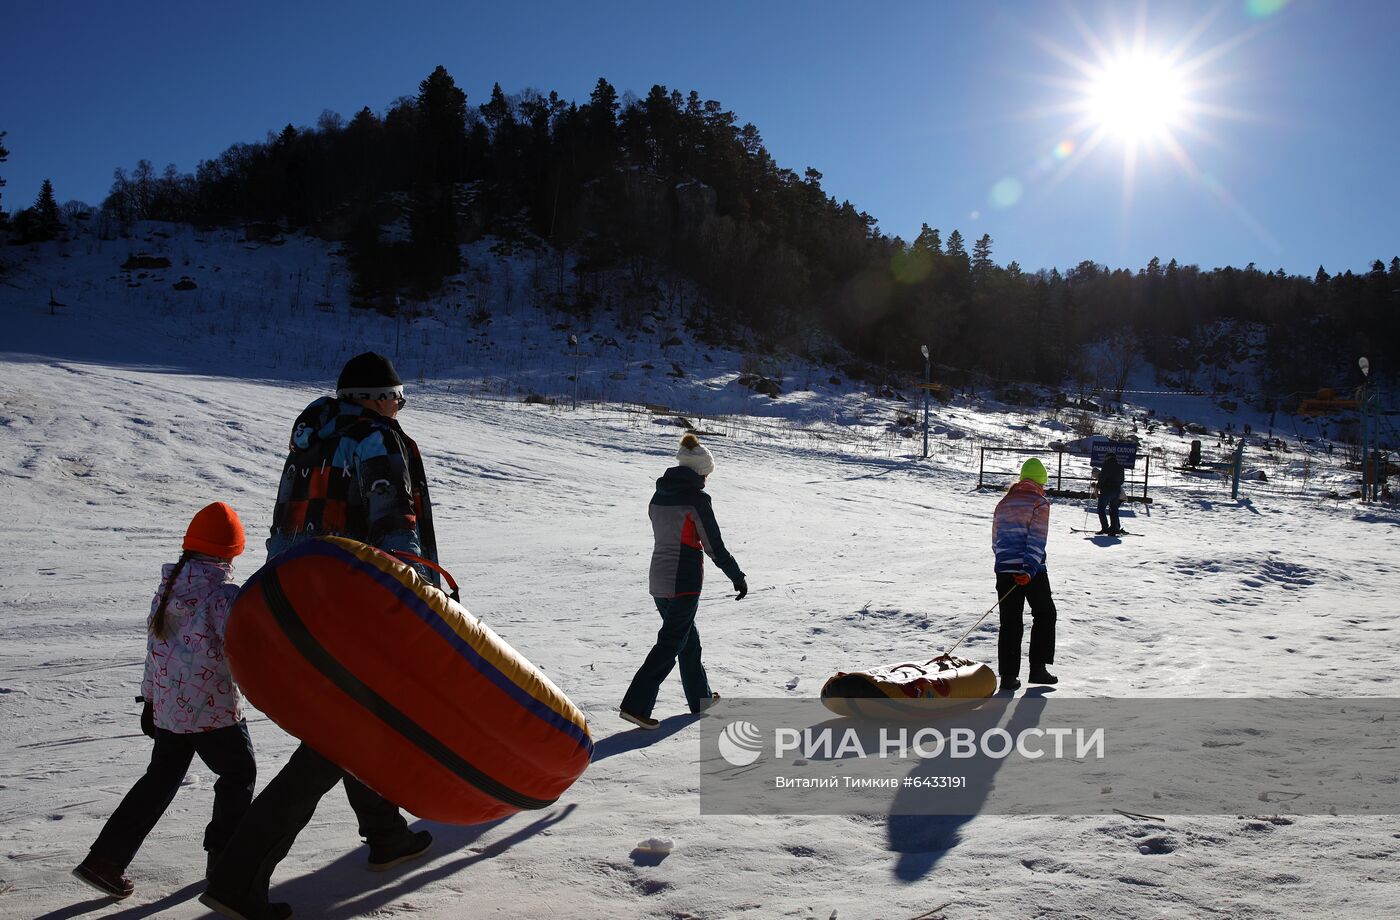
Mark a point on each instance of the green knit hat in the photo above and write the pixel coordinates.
(1034, 470)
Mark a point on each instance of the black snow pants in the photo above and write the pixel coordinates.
(279, 813)
(1042, 624)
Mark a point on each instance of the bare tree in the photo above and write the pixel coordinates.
(1122, 357)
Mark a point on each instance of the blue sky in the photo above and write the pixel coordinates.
(964, 115)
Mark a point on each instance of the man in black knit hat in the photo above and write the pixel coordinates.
(351, 471)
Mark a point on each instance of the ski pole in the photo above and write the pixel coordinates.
(974, 625)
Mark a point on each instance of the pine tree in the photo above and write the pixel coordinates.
(443, 126)
(364, 121)
(600, 117)
(440, 133)
(497, 111)
(602, 107)
(48, 224)
(928, 240)
(982, 256)
(955, 246)
(362, 147)
(961, 266)
(657, 127)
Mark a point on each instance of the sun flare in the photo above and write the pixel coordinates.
(1150, 98)
(1137, 98)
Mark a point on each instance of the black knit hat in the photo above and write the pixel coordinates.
(368, 376)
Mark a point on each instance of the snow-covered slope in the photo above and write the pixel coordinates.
(122, 415)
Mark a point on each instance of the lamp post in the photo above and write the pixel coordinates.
(398, 322)
(1366, 483)
(573, 343)
(928, 378)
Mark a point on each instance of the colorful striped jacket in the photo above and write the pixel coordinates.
(187, 679)
(1020, 527)
(351, 472)
(686, 531)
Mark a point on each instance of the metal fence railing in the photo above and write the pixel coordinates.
(1066, 472)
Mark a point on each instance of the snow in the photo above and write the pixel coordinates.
(130, 408)
(658, 845)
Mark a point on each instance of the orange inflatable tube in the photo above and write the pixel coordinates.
(349, 650)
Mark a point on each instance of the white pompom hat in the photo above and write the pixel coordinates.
(694, 455)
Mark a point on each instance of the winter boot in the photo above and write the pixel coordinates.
(640, 721)
(1042, 676)
(104, 875)
(411, 845)
(1010, 683)
(237, 910)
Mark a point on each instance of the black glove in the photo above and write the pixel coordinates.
(148, 720)
(742, 587)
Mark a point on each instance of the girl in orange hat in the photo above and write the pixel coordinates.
(191, 703)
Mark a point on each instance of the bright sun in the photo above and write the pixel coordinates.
(1147, 98)
(1137, 98)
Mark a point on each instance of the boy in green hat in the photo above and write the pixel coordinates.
(1020, 527)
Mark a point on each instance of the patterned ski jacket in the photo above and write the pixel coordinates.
(354, 473)
(1020, 527)
(686, 531)
(187, 679)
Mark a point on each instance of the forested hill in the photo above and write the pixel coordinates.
(647, 193)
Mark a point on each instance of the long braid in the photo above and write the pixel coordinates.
(158, 624)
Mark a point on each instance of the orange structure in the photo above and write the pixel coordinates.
(346, 648)
(1325, 403)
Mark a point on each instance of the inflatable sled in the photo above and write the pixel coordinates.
(349, 650)
(906, 691)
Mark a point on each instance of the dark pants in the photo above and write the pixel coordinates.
(1111, 502)
(228, 751)
(281, 810)
(678, 639)
(1042, 623)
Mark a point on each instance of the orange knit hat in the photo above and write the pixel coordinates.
(215, 531)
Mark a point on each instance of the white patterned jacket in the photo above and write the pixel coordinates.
(187, 679)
